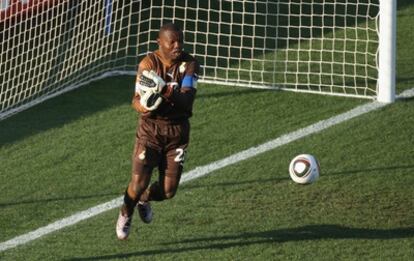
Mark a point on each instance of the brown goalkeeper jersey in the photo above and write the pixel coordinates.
(181, 79)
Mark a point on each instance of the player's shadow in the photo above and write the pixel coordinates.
(311, 232)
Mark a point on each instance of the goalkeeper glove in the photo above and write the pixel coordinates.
(150, 81)
(150, 100)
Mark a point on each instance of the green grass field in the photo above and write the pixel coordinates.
(78, 158)
(73, 152)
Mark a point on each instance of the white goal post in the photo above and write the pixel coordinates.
(332, 47)
(387, 51)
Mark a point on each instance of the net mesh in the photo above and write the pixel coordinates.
(325, 46)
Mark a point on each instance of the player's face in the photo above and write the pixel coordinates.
(170, 44)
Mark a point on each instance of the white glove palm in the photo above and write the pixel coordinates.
(149, 88)
(150, 100)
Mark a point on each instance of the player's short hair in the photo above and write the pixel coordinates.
(169, 27)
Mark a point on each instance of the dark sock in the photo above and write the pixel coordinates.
(129, 204)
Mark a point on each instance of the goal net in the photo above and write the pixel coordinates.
(323, 46)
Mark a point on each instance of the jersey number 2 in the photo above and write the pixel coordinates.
(180, 155)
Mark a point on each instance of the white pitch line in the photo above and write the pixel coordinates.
(282, 140)
(202, 171)
(65, 222)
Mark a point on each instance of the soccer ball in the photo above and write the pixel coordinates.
(304, 169)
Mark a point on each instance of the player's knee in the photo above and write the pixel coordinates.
(171, 182)
(136, 188)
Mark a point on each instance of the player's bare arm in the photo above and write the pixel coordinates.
(137, 105)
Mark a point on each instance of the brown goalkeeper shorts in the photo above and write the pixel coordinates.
(160, 144)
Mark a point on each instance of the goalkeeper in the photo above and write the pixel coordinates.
(164, 93)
